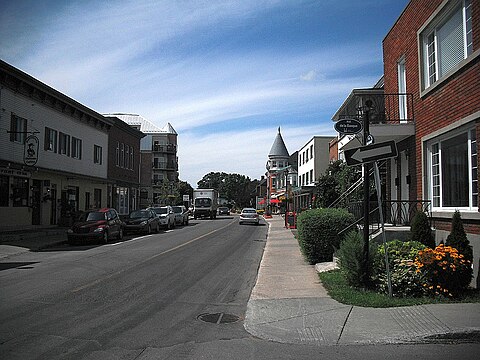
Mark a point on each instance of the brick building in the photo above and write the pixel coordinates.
(432, 51)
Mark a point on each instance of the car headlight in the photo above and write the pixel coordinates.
(143, 223)
(69, 231)
(100, 229)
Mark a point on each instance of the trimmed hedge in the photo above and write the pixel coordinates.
(318, 232)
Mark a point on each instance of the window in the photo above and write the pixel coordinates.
(64, 144)
(402, 89)
(50, 140)
(97, 154)
(122, 193)
(4, 189)
(452, 174)
(20, 191)
(131, 159)
(97, 198)
(311, 176)
(446, 41)
(127, 157)
(76, 148)
(18, 129)
(311, 151)
(122, 155)
(117, 154)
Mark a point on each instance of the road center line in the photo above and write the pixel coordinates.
(95, 282)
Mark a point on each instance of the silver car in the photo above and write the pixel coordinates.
(166, 216)
(249, 215)
(181, 215)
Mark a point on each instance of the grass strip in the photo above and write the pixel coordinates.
(337, 287)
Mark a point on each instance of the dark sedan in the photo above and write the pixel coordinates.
(99, 225)
(144, 221)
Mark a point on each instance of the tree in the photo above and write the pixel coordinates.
(337, 179)
(458, 238)
(234, 187)
(421, 230)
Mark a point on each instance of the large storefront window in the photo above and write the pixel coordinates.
(4, 190)
(452, 173)
(20, 191)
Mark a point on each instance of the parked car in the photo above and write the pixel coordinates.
(249, 215)
(145, 221)
(99, 225)
(181, 215)
(223, 210)
(166, 216)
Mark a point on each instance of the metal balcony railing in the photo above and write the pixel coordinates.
(382, 108)
(168, 149)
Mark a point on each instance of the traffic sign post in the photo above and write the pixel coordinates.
(371, 153)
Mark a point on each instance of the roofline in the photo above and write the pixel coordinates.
(330, 137)
(14, 72)
(353, 93)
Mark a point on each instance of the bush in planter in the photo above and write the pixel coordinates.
(318, 232)
(443, 269)
(421, 230)
(405, 280)
(350, 257)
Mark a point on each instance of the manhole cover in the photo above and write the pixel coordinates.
(218, 318)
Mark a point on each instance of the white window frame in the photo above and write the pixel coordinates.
(402, 90)
(435, 158)
(428, 38)
(97, 155)
(76, 148)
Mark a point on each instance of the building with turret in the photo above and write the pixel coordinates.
(279, 174)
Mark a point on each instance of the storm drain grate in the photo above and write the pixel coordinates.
(218, 318)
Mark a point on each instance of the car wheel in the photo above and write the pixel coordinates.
(120, 234)
(157, 230)
(149, 230)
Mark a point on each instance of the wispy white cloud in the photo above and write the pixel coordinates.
(197, 65)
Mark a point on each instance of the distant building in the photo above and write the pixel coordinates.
(159, 161)
(313, 160)
(278, 173)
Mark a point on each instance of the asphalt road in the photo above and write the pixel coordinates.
(143, 298)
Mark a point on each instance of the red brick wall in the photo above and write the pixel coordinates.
(455, 99)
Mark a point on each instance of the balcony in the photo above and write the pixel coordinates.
(165, 149)
(391, 116)
(165, 166)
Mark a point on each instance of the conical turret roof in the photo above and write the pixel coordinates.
(278, 148)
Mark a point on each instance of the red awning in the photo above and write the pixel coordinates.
(274, 201)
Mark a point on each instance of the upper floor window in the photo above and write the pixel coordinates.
(18, 129)
(97, 154)
(311, 151)
(76, 148)
(64, 144)
(117, 154)
(446, 41)
(50, 139)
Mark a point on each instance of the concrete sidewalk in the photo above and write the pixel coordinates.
(290, 305)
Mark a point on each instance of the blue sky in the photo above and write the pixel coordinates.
(225, 74)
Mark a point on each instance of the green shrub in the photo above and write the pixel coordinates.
(421, 230)
(350, 256)
(401, 256)
(458, 239)
(318, 232)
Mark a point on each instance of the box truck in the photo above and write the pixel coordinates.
(205, 203)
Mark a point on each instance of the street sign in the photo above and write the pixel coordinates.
(30, 151)
(371, 153)
(348, 126)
